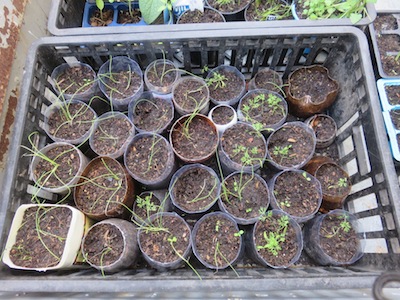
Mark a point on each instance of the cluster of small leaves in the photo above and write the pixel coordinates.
(278, 10)
(217, 80)
(344, 226)
(341, 183)
(151, 9)
(247, 159)
(282, 151)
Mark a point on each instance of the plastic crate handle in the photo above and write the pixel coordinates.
(380, 283)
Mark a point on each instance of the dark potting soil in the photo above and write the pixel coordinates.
(195, 139)
(125, 17)
(393, 94)
(196, 16)
(289, 246)
(149, 205)
(162, 75)
(232, 88)
(147, 157)
(245, 195)
(67, 160)
(123, 85)
(103, 245)
(263, 11)
(232, 6)
(323, 127)
(190, 94)
(268, 80)
(61, 126)
(101, 19)
(216, 242)
(296, 140)
(157, 244)
(256, 108)
(341, 246)
(395, 116)
(152, 115)
(75, 80)
(387, 43)
(312, 84)
(297, 193)
(222, 115)
(110, 135)
(330, 177)
(195, 190)
(243, 145)
(41, 247)
(102, 187)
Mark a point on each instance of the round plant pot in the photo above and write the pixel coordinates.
(104, 190)
(151, 113)
(325, 129)
(226, 84)
(69, 121)
(150, 160)
(210, 15)
(276, 240)
(194, 138)
(297, 193)
(171, 234)
(217, 241)
(233, 11)
(244, 196)
(121, 80)
(149, 203)
(242, 148)
(25, 248)
(223, 116)
(267, 79)
(111, 245)
(335, 238)
(335, 182)
(191, 95)
(263, 109)
(310, 90)
(290, 146)
(194, 188)
(111, 134)
(57, 167)
(74, 81)
(268, 11)
(160, 76)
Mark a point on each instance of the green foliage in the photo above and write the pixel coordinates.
(341, 183)
(216, 81)
(224, 2)
(248, 156)
(239, 233)
(274, 239)
(151, 9)
(344, 226)
(282, 151)
(278, 9)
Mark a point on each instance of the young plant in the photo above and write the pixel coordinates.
(100, 6)
(341, 183)
(151, 9)
(277, 10)
(282, 152)
(217, 81)
(344, 226)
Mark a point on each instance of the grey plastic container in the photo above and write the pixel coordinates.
(362, 145)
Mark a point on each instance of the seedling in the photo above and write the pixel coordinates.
(147, 204)
(285, 203)
(100, 6)
(248, 156)
(239, 233)
(217, 81)
(277, 11)
(151, 9)
(344, 226)
(282, 152)
(341, 183)
(306, 176)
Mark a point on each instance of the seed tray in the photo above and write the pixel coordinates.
(65, 18)
(361, 146)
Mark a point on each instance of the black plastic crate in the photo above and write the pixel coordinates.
(361, 144)
(65, 18)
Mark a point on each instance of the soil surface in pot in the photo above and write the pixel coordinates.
(75, 80)
(312, 84)
(243, 195)
(29, 250)
(125, 17)
(195, 138)
(387, 43)
(222, 115)
(289, 246)
(152, 115)
(268, 11)
(263, 109)
(68, 162)
(297, 194)
(216, 242)
(190, 94)
(230, 7)
(323, 127)
(290, 146)
(393, 94)
(102, 187)
(196, 16)
(338, 240)
(110, 135)
(395, 116)
(195, 190)
(333, 180)
(157, 244)
(243, 145)
(61, 126)
(268, 80)
(231, 88)
(103, 245)
(148, 157)
(99, 18)
(162, 75)
(124, 84)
